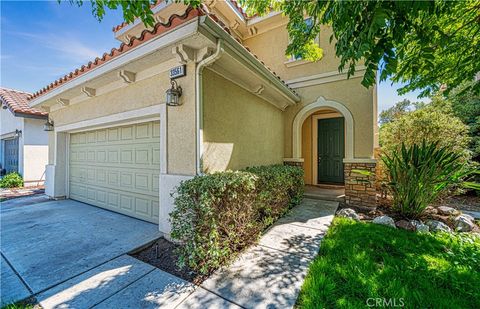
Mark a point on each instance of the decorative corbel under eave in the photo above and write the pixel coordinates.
(183, 53)
(258, 89)
(90, 92)
(234, 25)
(127, 38)
(159, 19)
(204, 53)
(62, 102)
(127, 76)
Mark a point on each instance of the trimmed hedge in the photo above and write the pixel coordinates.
(220, 214)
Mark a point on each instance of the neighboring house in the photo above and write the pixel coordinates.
(118, 145)
(24, 143)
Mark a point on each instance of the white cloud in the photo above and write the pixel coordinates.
(68, 47)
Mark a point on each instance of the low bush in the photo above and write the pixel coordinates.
(418, 174)
(220, 214)
(11, 180)
(281, 187)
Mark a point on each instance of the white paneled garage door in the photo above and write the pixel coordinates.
(118, 169)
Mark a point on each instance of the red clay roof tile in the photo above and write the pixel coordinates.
(146, 35)
(174, 21)
(123, 24)
(235, 3)
(17, 102)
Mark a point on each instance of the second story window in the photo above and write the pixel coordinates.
(309, 25)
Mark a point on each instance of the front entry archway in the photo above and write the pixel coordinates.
(322, 103)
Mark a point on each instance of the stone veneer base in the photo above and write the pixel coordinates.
(360, 189)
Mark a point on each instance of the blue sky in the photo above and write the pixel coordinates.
(43, 40)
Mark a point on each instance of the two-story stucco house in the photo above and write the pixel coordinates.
(23, 142)
(117, 144)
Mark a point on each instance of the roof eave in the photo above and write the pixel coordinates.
(31, 116)
(183, 31)
(212, 27)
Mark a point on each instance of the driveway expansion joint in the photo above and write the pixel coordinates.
(134, 281)
(16, 273)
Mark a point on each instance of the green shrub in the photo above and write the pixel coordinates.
(220, 214)
(280, 189)
(431, 124)
(11, 180)
(418, 174)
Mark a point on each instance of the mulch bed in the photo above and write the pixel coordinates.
(469, 201)
(162, 255)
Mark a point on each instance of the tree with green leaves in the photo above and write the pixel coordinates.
(422, 44)
(399, 109)
(432, 123)
(464, 103)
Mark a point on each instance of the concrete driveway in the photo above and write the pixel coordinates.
(46, 243)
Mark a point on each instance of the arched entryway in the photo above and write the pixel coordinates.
(323, 138)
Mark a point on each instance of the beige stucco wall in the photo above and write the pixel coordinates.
(144, 93)
(357, 99)
(239, 128)
(271, 46)
(361, 102)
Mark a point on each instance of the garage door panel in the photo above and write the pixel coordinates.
(118, 169)
(135, 182)
(136, 156)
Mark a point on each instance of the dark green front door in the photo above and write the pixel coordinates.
(331, 136)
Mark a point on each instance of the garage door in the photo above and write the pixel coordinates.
(118, 169)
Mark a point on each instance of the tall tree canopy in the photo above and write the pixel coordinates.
(421, 44)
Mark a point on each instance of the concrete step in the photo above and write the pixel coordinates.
(325, 197)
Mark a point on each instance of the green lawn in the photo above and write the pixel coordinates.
(359, 262)
(18, 306)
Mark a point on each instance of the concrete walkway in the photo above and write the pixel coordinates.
(268, 275)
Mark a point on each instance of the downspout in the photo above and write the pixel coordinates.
(199, 101)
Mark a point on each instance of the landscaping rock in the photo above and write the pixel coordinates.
(348, 213)
(419, 226)
(364, 217)
(404, 224)
(384, 220)
(438, 226)
(447, 211)
(431, 210)
(464, 223)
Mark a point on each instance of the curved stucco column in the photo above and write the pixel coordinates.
(319, 104)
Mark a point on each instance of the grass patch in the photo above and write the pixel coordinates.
(18, 306)
(360, 261)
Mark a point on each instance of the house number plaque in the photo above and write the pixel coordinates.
(177, 72)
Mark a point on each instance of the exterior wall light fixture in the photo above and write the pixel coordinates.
(48, 126)
(174, 94)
